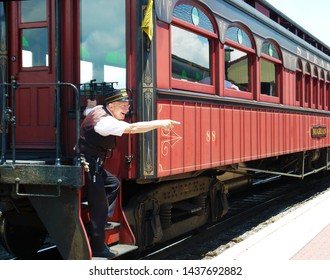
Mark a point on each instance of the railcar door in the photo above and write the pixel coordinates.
(32, 59)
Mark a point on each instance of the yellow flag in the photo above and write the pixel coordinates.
(147, 24)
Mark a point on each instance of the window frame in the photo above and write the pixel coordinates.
(307, 86)
(268, 98)
(315, 89)
(213, 41)
(322, 96)
(299, 83)
(38, 24)
(251, 54)
(327, 91)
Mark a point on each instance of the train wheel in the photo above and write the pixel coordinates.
(21, 241)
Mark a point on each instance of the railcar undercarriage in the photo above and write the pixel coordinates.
(175, 208)
(298, 165)
(169, 209)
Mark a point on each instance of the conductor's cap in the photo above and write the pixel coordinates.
(116, 95)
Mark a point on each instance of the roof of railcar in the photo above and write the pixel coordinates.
(294, 27)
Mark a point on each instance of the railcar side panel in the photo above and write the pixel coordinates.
(190, 139)
(197, 129)
(247, 145)
(173, 141)
(236, 129)
(254, 135)
(228, 135)
(215, 137)
(205, 148)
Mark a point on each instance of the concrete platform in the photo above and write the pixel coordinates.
(303, 234)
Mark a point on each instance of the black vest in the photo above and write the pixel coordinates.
(90, 142)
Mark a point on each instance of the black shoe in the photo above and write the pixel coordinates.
(105, 254)
(111, 225)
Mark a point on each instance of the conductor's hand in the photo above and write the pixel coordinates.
(168, 124)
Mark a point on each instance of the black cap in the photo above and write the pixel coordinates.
(116, 95)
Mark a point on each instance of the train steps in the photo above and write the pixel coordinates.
(119, 250)
(112, 232)
(112, 236)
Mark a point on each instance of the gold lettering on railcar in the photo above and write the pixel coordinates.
(319, 131)
(299, 51)
(214, 136)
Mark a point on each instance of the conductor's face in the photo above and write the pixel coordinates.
(119, 109)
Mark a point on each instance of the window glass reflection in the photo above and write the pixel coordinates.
(103, 41)
(190, 56)
(35, 47)
(33, 10)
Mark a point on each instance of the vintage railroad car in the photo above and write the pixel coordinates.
(249, 86)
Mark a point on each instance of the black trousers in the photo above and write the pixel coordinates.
(102, 191)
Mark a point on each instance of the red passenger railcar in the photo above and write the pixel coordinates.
(252, 97)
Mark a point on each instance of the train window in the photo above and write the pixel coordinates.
(299, 83)
(34, 47)
(270, 68)
(34, 35)
(192, 49)
(103, 41)
(238, 61)
(33, 10)
(189, 65)
(308, 90)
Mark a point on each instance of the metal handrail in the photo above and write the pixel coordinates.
(6, 111)
(3, 123)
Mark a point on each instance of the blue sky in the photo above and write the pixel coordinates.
(314, 16)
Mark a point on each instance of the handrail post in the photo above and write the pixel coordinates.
(77, 150)
(14, 86)
(77, 109)
(58, 125)
(3, 124)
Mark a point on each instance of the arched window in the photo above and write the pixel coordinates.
(315, 89)
(192, 37)
(299, 83)
(270, 69)
(238, 63)
(308, 88)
